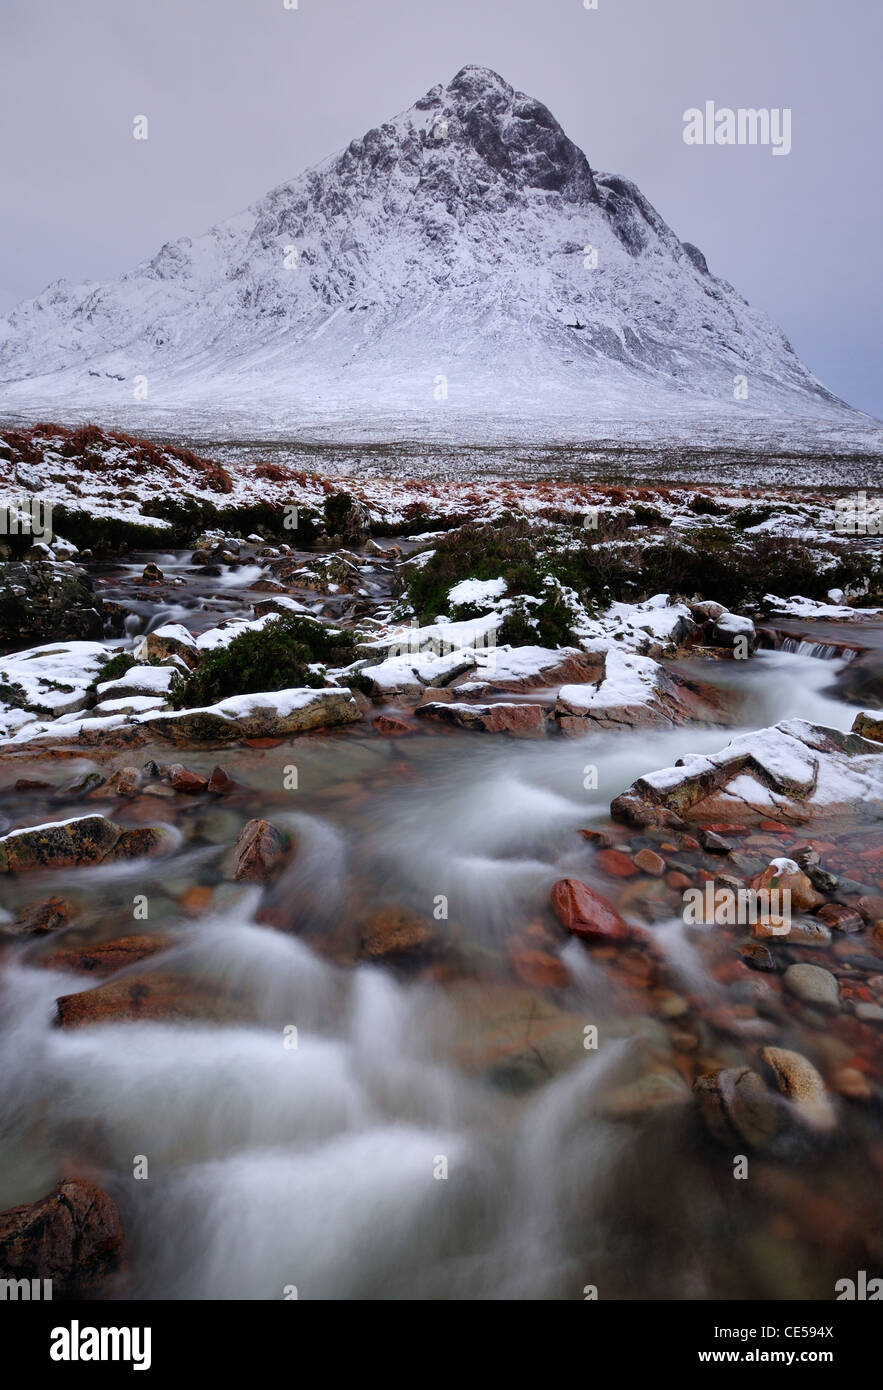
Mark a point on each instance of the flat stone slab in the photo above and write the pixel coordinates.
(794, 772)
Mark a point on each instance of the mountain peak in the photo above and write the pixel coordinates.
(516, 137)
(474, 81)
(463, 247)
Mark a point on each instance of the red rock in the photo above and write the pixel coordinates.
(107, 957)
(220, 783)
(839, 917)
(676, 880)
(537, 968)
(258, 852)
(32, 784)
(650, 862)
(585, 913)
(596, 837)
(724, 828)
(183, 780)
(38, 919)
(73, 1236)
(262, 742)
(615, 863)
(143, 996)
(395, 931)
(778, 826)
(195, 900)
(391, 727)
(689, 842)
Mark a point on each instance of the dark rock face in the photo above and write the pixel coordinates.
(45, 602)
(73, 1236)
(516, 137)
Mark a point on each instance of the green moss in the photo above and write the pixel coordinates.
(276, 657)
(113, 669)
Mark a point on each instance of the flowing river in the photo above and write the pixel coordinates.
(436, 1132)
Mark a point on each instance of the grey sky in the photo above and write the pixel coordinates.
(244, 94)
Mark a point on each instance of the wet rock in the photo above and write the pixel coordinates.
(616, 863)
(871, 907)
(275, 714)
(73, 1236)
(39, 919)
(813, 985)
(585, 913)
(538, 968)
(869, 726)
(649, 862)
(514, 1036)
(152, 573)
(730, 629)
(148, 996)
(850, 1082)
(125, 782)
(802, 931)
(644, 1097)
(144, 842)
(868, 1012)
(795, 769)
(520, 720)
(84, 840)
(635, 691)
(799, 1081)
(840, 918)
(259, 851)
(46, 602)
(196, 899)
(167, 642)
(185, 781)
(737, 1107)
(394, 931)
(391, 727)
(220, 783)
(759, 957)
(106, 958)
(787, 877)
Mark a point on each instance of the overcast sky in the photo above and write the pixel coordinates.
(243, 94)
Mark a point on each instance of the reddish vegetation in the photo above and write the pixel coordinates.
(89, 443)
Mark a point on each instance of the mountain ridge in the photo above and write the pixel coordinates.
(464, 256)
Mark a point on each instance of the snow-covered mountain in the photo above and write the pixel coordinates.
(462, 262)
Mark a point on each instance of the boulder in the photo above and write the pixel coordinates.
(39, 919)
(635, 691)
(519, 720)
(394, 931)
(106, 958)
(171, 640)
(737, 1107)
(813, 985)
(585, 913)
(794, 771)
(148, 996)
(73, 1237)
(48, 601)
(799, 1081)
(78, 842)
(258, 853)
(273, 715)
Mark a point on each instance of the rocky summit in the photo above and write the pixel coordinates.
(460, 264)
